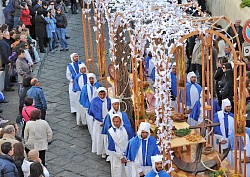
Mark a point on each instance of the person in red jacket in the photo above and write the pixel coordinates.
(25, 17)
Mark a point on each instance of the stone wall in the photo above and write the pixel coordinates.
(229, 8)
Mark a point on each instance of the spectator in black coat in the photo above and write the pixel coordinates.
(239, 29)
(7, 168)
(5, 52)
(40, 29)
(218, 77)
(228, 87)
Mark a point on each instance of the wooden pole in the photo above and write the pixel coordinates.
(85, 37)
(90, 39)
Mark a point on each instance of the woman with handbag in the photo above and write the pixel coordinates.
(29, 106)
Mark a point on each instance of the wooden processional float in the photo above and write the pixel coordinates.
(207, 82)
(137, 79)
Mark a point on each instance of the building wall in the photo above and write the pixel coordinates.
(230, 8)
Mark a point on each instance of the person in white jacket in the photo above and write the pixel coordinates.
(37, 134)
(33, 156)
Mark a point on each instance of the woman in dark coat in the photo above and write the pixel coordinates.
(40, 28)
(218, 77)
(227, 89)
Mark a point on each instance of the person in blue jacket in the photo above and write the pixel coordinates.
(88, 92)
(157, 166)
(7, 165)
(98, 109)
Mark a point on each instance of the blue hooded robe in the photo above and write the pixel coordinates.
(84, 99)
(162, 173)
(107, 122)
(134, 145)
(95, 108)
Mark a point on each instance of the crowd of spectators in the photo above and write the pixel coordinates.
(31, 27)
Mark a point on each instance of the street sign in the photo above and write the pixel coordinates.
(246, 31)
(246, 51)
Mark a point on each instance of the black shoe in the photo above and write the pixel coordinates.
(9, 89)
(67, 37)
(43, 51)
(11, 85)
(1, 110)
(4, 101)
(67, 49)
(61, 50)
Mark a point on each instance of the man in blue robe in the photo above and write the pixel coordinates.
(193, 90)
(118, 136)
(88, 92)
(107, 123)
(115, 109)
(99, 108)
(139, 151)
(226, 120)
(71, 72)
(157, 166)
(79, 81)
(81, 78)
(247, 148)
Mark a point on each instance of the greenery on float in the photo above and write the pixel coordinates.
(245, 3)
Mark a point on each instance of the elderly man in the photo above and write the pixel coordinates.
(88, 92)
(71, 72)
(7, 167)
(157, 166)
(118, 136)
(226, 120)
(36, 92)
(99, 108)
(9, 135)
(139, 151)
(239, 29)
(33, 156)
(5, 52)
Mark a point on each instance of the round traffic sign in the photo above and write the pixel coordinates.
(246, 31)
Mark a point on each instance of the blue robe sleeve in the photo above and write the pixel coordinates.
(216, 106)
(188, 100)
(106, 124)
(130, 131)
(152, 75)
(173, 84)
(95, 109)
(125, 119)
(76, 86)
(161, 174)
(111, 143)
(217, 128)
(84, 100)
(152, 149)
(196, 111)
(97, 85)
